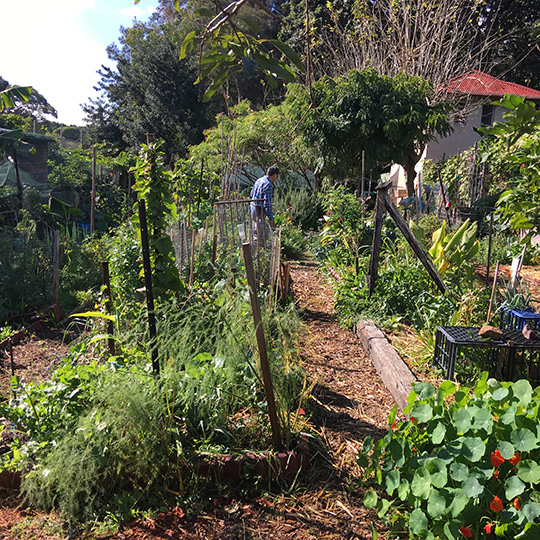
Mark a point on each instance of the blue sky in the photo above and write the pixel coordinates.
(57, 46)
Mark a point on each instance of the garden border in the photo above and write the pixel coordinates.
(395, 374)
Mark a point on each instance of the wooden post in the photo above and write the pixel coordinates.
(443, 198)
(56, 266)
(385, 204)
(148, 285)
(373, 268)
(265, 368)
(93, 194)
(192, 258)
(108, 304)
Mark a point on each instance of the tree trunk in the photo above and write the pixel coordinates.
(410, 174)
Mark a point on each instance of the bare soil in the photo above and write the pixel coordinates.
(349, 402)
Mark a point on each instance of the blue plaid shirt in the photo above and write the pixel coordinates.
(263, 189)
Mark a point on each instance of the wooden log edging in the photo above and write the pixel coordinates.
(395, 374)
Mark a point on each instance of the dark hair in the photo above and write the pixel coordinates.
(271, 171)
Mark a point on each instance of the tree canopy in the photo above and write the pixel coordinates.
(150, 91)
(389, 119)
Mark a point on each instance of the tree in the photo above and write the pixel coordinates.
(433, 40)
(150, 91)
(246, 138)
(390, 119)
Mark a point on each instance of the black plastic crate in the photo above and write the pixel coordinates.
(461, 353)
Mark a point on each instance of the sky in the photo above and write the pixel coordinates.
(57, 46)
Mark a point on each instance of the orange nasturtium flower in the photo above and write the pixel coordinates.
(496, 459)
(466, 532)
(515, 460)
(516, 504)
(487, 527)
(496, 505)
(496, 473)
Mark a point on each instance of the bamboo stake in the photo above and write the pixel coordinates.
(192, 259)
(261, 344)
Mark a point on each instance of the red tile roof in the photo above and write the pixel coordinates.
(477, 83)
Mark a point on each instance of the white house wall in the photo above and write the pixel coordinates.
(463, 136)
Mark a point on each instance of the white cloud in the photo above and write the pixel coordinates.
(138, 12)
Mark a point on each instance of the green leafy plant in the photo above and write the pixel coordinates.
(463, 465)
(153, 184)
(453, 253)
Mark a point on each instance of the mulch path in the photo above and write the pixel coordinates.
(349, 402)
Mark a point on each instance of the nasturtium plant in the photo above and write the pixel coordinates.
(464, 464)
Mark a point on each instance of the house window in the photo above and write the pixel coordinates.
(487, 115)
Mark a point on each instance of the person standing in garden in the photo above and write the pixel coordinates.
(261, 205)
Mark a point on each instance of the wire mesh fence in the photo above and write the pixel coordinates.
(200, 252)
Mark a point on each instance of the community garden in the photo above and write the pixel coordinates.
(186, 375)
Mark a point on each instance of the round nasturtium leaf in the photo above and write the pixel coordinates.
(418, 522)
(528, 471)
(524, 439)
(422, 412)
(472, 487)
(424, 389)
(438, 433)
(509, 416)
(500, 393)
(403, 489)
(473, 448)
(513, 487)
(482, 419)
(447, 388)
(436, 504)
(506, 449)
(462, 420)
(392, 481)
(459, 502)
(438, 472)
(459, 472)
(421, 483)
(522, 389)
(370, 499)
(531, 511)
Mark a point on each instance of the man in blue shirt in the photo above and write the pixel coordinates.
(261, 205)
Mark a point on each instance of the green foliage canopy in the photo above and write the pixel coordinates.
(390, 119)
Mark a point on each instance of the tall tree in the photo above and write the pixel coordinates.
(389, 119)
(150, 91)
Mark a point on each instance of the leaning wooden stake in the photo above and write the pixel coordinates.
(495, 278)
(385, 204)
(261, 343)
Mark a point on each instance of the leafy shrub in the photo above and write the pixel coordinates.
(294, 242)
(462, 466)
(302, 205)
